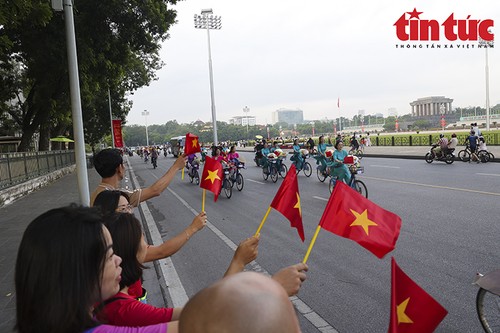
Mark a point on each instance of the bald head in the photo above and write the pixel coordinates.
(244, 302)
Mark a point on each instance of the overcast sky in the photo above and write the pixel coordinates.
(306, 54)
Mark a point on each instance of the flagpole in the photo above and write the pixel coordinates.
(182, 174)
(263, 220)
(313, 240)
(203, 200)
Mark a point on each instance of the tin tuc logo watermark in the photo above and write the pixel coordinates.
(451, 33)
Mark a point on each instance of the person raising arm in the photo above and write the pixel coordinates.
(109, 165)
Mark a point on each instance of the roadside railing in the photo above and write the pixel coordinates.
(16, 168)
(492, 139)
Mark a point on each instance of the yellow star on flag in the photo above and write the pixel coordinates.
(402, 316)
(212, 176)
(362, 220)
(195, 142)
(297, 205)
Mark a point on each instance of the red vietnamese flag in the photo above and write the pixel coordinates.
(351, 215)
(192, 144)
(412, 308)
(211, 177)
(287, 201)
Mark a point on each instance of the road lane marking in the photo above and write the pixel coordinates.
(314, 318)
(488, 174)
(164, 267)
(385, 166)
(254, 181)
(320, 198)
(433, 186)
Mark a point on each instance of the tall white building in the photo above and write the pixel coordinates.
(243, 120)
(289, 116)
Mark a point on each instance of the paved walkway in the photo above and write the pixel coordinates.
(17, 215)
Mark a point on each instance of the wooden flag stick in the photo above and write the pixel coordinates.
(313, 240)
(203, 200)
(263, 220)
(182, 174)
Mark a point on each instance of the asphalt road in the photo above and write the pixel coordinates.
(450, 231)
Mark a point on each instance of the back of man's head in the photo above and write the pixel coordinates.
(244, 302)
(106, 161)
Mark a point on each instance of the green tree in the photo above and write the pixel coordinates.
(118, 49)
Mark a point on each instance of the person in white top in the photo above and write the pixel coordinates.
(453, 142)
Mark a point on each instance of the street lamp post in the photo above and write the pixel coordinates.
(145, 113)
(246, 109)
(487, 44)
(76, 104)
(208, 21)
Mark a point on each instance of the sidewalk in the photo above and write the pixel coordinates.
(16, 217)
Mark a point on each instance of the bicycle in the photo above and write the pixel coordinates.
(303, 165)
(465, 154)
(270, 168)
(485, 156)
(322, 170)
(237, 177)
(354, 183)
(226, 182)
(282, 168)
(356, 152)
(488, 300)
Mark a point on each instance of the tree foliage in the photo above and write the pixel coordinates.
(118, 45)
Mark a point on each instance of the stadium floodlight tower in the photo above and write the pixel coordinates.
(208, 21)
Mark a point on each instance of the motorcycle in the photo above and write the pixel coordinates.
(446, 156)
(259, 161)
(193, 172)
(488, 299)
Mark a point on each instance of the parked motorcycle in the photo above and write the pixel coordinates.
(446, 155)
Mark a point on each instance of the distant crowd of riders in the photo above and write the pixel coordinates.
(476, 149)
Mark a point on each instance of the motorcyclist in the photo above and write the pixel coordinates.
(441, 145)
(191, 163)
(354, 142)
(258, 151)
(154, 156)
(452, 144)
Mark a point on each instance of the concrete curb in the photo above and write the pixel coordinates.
(13, 193)
(168, 279)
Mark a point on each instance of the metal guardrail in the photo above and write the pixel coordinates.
(16, 168)
(492, 139)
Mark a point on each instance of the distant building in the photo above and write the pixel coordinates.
(289, 116)
(242, 120)
(431, 106)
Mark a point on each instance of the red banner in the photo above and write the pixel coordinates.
(117, 133)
